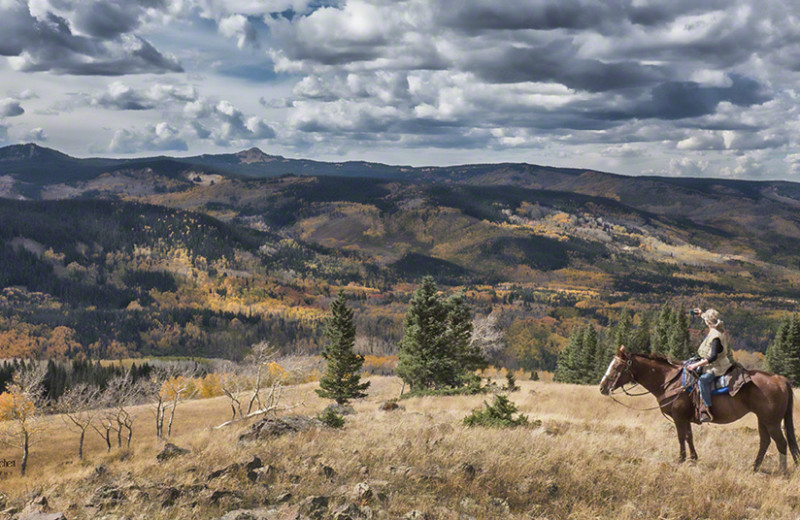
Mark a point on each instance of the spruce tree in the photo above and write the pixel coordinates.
(568, 363)
(341, 381)
(659, 341)
(678, 346)
(467, 354)
(588, 357)
(640, 341)
(777, 356)
(422, 358)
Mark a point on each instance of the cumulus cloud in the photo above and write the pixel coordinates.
(158, 137)
(120, 96)
(80, 37)
(228, 123)
(239, 27)
(35, 134)
(10, 108)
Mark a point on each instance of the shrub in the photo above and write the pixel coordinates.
(511, 382)
(499, 414)
(331, 418)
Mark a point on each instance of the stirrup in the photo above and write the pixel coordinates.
(705, 416)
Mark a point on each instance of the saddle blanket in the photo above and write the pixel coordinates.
(729, 383)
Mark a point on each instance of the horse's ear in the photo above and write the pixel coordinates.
(621, 351)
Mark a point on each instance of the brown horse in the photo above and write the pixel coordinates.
(769, 396)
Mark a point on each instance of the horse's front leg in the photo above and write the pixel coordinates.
(681, 426)
(690, 441)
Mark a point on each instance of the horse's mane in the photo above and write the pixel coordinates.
(657, 357)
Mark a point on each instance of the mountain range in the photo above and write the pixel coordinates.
(578, 240)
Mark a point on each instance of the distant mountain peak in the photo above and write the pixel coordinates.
(21, 152)
(256, 155)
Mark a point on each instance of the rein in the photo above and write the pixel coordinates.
(659, 406)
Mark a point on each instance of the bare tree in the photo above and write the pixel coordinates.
(488, 336)
(79, 407)
(174, 390)
(123, 393)
(234, 384)
(20, 410)
(260, 354)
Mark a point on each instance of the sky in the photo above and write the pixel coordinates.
(641, 87)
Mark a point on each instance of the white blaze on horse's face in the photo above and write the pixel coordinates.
(607, 375)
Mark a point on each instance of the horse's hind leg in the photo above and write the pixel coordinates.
(690, 441)
(763, 435)
(777, 436)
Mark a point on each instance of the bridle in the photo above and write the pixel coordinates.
(626, 364)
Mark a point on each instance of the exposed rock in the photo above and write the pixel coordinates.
(41, 516)
(274, 427)
(353, 512)
(223, 494)
(255, 463)
(501, 504)
(314, 507)
(283, 497)
(390, 406)
(341, 409)
(249, 514)
(262, 475)
(227, 470)
(170, 451)
(415, 515)
(363, 492)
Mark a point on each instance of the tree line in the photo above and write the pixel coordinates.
(588, 352)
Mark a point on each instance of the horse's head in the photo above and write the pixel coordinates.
(618, 373)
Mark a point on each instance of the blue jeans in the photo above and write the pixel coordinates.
(705, 382)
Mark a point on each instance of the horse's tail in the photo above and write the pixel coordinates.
(788, 425)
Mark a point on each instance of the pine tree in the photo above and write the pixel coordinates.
(678, 346)
(659, 341)
(640, 342)
(777, 357)
(568, 363)
(424, 338)
(341, 381)
(467, 354)
(588, 357)
(437, 350)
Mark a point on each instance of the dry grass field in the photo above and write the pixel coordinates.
(590, 458)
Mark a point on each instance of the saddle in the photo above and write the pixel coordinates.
(729, 383)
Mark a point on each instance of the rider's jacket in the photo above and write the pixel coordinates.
(720, 365)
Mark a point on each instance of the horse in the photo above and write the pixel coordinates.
(769, 396)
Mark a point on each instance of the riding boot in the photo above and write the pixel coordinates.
(705, 414)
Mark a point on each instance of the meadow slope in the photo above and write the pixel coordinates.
(590, 458)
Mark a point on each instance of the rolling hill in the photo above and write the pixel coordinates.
(270, 238)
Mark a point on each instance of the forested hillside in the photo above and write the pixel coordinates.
(199, 256)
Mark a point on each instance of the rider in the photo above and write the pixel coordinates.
(714, 353)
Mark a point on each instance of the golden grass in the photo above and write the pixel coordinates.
(591, 458)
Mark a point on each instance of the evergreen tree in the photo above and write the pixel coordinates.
(777, 356)
(659, 341)
(459, 337)
(678, 346)
(437, 349)
(783, 355)
(588, 357)
(640, 342)
(341, 381)
(568, 363)
(424, 339)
